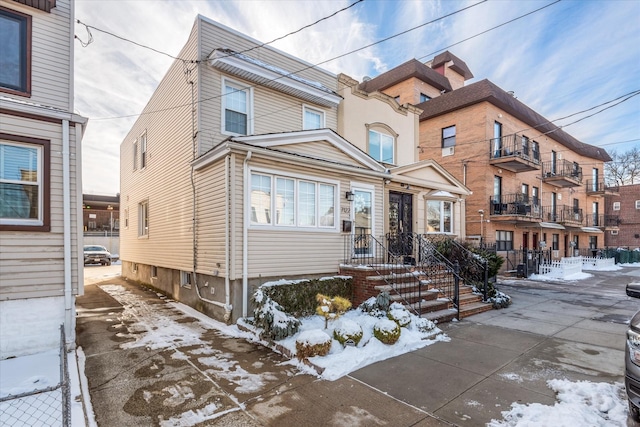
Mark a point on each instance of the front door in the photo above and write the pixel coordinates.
(400, 223)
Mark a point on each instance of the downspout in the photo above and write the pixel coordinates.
(245, 237)
(66, 226)
(227, 284)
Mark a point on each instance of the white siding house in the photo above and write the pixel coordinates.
(40, 178)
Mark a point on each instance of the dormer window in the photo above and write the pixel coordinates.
(424, 98)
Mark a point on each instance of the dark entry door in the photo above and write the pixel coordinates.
(400, 240)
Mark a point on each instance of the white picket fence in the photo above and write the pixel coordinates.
(594, 263)
(563, 268)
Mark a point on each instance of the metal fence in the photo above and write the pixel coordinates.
(49, 406)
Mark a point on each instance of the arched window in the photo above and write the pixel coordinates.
(381, 143)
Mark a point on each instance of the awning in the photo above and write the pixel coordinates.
(551, 225)
(591, 230)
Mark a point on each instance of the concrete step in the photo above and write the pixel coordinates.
(414, 296)
(441, 316)
(428, 306)
(475, 308)
(402, 287)
(469, 299)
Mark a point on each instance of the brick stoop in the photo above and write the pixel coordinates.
(413, 291)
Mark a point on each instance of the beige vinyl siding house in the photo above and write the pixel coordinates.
(40, 198)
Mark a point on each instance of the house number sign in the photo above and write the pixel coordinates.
(345, 210)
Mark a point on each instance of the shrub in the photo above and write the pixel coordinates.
(387, 331)
(399, 314)
(312, 343)
(269, 315)
(347, 330)
(423, 325)
(331, 308)
(378, 306)
(299, 297)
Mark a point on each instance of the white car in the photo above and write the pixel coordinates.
(96, 254)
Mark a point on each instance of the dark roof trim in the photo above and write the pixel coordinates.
(486, 91)
(411, 68)
(44, 5)
(459, 66)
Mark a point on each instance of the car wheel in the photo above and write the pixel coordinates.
(634, 411)
(108, 263)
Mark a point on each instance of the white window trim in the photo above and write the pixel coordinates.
(273, 174)
(144, 150)
(616, 206)
(185, 279)
(249, 91)
(135, 154)
(614, 232)
(453, 217)
(143, 234)
(309, 108)
(357, 186)
(39, 183)
(637, 204)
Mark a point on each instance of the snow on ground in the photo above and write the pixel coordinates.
(580, 403)
(569, 278)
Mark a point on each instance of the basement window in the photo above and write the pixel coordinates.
(185, 279)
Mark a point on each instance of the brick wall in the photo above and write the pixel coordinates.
(629, 230)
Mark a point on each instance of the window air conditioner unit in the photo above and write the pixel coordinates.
(448, 151)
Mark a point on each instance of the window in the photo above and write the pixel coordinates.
(616, 206)
(236, 109)
(535, 150)
(594, 178)
(312, 119)
(614, 232)
(424, 98)
(135, 154)
(497, 139)
(381, 146)
(126, 218)
(525, 193)
(553, 215)
(24, 183)
(439, 216)
(497, 189)
(525, 145)
(143, 219)
(449, 137)
(555, 244)
(593, 242)
(297, 202)
(15, 45)
(504, 240)
(154, 271)
(535, 195)
(595, 213)
(185, 279)
(143, 150)
(554, 162)
(637, 204)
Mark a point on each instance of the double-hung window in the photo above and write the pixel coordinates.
(135, 154)
(15, 48)
(504, 240)
(296, 202)
(236, 109)
(143, 219)
(312, 118)
(143, 150)
(439, 216)
(23, 178)
(381, 146)
(449, 137)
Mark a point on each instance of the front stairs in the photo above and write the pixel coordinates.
(412, 289)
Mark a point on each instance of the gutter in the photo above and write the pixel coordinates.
(245, 238)
(69, 316)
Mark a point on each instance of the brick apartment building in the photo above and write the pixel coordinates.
(534, 185)
(627, 207)
(100, 213)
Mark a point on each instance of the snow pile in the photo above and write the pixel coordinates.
(581, 403)
(29, 373)
(312, 337)
(569, 278)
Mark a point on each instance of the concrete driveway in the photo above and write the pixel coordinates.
(572, 330)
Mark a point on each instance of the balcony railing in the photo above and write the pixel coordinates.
(567, 215)
(603, 220)
(515, 153)
(562, 173)
(515, 205)
(601, 187)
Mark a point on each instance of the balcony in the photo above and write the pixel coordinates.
(601, 188)
(562, 174)
(516, 208)
(567, 216)
(603, 221)
(514, 153)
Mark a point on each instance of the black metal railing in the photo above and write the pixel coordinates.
(514, 145)
(571, 214)
(562, 168)
(603, 220)
(366, 250)
(474, 269)
(515, 204)
(597, 186)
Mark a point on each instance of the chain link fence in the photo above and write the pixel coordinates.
(49, 406)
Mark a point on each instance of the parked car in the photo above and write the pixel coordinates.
(633, 289)
(96, 254)
(632, 367)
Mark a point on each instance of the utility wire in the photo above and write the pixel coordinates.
(490, 29)
(300, 70)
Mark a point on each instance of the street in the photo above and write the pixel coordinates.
(148, 363)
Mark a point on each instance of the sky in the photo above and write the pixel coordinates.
(568, 57)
